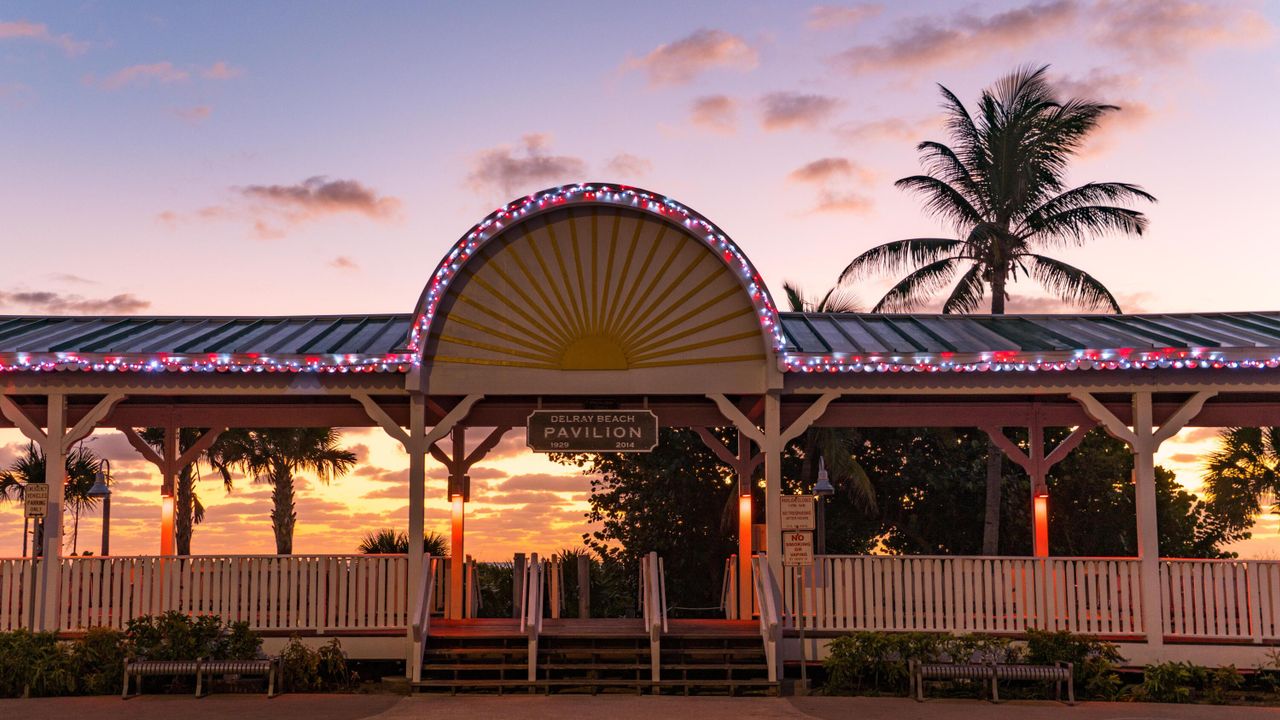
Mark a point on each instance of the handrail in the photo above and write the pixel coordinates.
(662, 587)
(767, 597)
(728, 588)
(531, 618)
(422, 615)
(653, 598)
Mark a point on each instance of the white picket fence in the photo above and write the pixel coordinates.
(295, 592)
(967, 594)
(1221, 599)
(17, 578)
(1201, 600)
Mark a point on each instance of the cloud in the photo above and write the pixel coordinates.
(625, 165)
(194, 114)
(39, 32)
(319, 195)
(830, 173)
(221, 70)
(1138, 302)
(1169, 30)
(545, 482)
(826, 17)
(926, 42)
(1114, 89)
(44, 301)
(70, 279)
(845, 202)
(681, 61)
(715, 112)
(342, 262)
(786, 110)
(892, 128)
(510, 170)
(161, 72)
(826, 169)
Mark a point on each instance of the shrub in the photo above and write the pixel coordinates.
(1094, 660)
(98, 661)
(177, 636)
(878, 662)
(1181, 682)
(303, 669)
(34, 664)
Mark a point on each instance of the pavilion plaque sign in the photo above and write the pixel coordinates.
(798, 512)
(592, 431)
(36, 500)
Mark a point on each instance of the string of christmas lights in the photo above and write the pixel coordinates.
(587, 194)
(1125, 359)
(69, 362)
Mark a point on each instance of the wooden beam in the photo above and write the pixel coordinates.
(1182, 416)
(85, 426)
(143, 447)
(21, 420)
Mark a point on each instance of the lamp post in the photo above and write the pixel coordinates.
(823, 489)
(102, 489)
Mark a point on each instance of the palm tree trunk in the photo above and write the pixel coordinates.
(995, 457)
(995, 478)
(182, 511)
(283, 516)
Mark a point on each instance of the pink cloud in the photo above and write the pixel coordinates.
(319, 195)
(195, 114)
(526, 168)
(892, 128)
(843, 202)
(927, 42)
(715, 112)
(163, 72)
(1168, 30)
(626, 165)
(221, 70)
(827, 17)
(39, 32)
(787, 110)
(681, 61)
(343, 262)
(826, 169)
(44, 301)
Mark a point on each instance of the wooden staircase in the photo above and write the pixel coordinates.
(593, 656)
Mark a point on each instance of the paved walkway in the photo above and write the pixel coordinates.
(613, 707)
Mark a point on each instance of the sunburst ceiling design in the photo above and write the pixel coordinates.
(596, 288)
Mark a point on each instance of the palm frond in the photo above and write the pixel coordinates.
(942, 199)
(1083, 223)
(795, 298)
(899, 255)
(917, 287)
(966, 296)
(1072, 284)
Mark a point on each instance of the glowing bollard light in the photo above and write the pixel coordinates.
(457, 554)
(1041, 512)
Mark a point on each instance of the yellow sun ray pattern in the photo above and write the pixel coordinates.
(596, 289)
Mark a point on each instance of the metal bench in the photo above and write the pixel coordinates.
(198, 668)
(152, 668)
(1057, 674)
(238, 667)
(946, 671)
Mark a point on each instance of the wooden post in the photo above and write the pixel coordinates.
(517, 586)
(772, 448)
(584, 586)
(55, 472)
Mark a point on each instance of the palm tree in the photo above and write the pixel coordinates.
(1245, 469)
(834, 445)
(82, 467)
(1001, 186)
(275, 456)
(386, 541)
(188, 511)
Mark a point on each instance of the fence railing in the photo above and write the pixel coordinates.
(1221, 599)
(17, 591)
(1200, 600)
(1099, 596)
(295, 592)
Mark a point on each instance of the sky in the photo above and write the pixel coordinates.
(280, 158)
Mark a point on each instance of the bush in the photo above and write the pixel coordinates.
(177, 636)
(303, 669)
(34, 664)
(98, 661)
(1181, 682)
(1094, 660)
(877, 662)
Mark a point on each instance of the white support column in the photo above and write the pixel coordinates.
(772, 449)
(1144, 439)
(55, 471)
(415, 444)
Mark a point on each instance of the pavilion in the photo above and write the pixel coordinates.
(608, 296)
